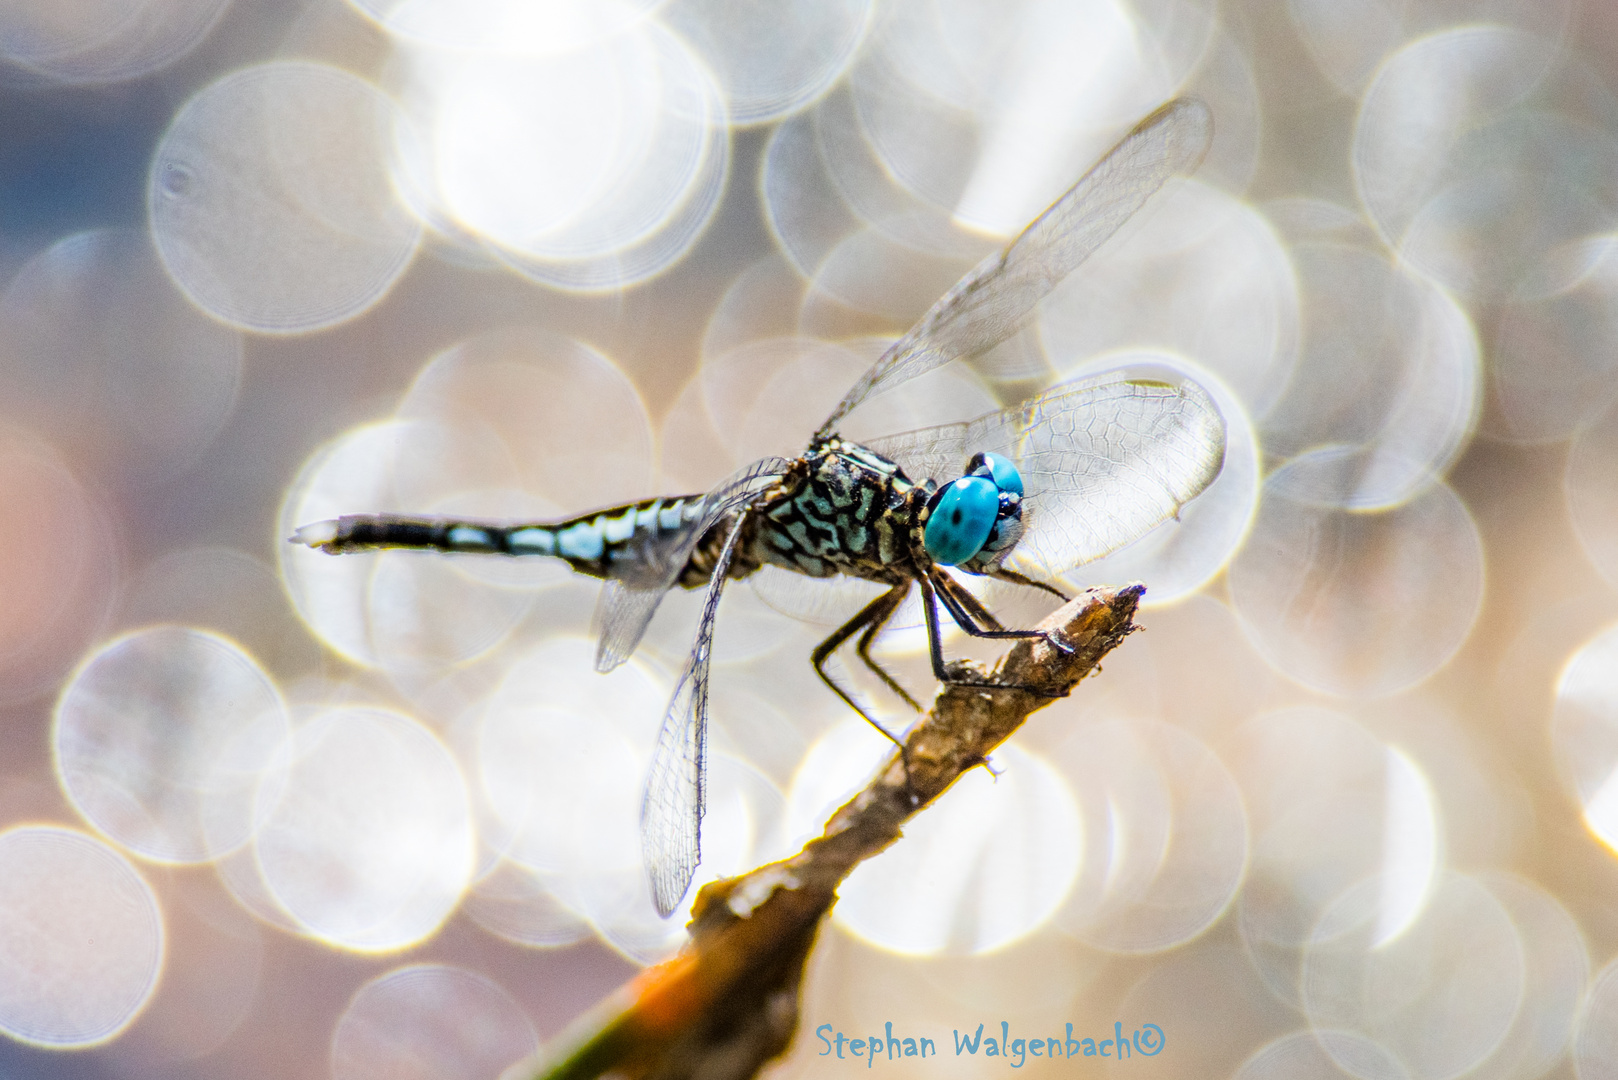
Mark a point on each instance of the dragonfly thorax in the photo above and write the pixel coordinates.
(843, 510)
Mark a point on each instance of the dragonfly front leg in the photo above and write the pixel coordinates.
(965, 609)
(971, 606)
(870, 619)
(1004, 574)
(970, 615)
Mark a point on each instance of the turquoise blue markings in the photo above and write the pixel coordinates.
(534, 540)
(620, 528)
(1003, 472)
(963, 514)
(471, 538)
(582, 541)
(961, 519)
(588, 540)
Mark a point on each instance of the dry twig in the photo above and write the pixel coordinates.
(729, 1002)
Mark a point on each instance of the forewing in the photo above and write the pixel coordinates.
(940, 453)
(1106, 463)
(1102, 461)
(990, 302)
(677, 784)
(625, 607)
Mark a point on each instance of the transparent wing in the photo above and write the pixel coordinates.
(1102, 461)
(677, 785)
(622, 614)
(625, 607)
(987, 305)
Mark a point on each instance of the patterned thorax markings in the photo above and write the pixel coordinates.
(849, 514)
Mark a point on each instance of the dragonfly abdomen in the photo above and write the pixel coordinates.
(631, 542)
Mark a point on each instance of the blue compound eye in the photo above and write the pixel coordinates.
(1005, 474)
(962, 515)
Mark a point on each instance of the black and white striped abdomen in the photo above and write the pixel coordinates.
(632, 543)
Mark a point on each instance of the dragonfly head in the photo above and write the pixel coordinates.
(975, 521)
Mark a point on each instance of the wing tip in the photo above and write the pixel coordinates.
(661, 900)
(1216, 426)
(668, 885)
(1191, 133)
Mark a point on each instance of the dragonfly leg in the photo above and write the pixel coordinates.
(930, 610)
(970, 614)
(971, 605)
(871, 631)
(965, 609)
(1015, 578)
(870, 618)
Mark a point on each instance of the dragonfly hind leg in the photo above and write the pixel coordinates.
(871, 618)
(863, 649)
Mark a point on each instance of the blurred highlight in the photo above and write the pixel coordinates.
(1348, 808)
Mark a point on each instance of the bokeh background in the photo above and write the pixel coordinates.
(1347, 807)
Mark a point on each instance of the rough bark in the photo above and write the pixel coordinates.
(728, 1004)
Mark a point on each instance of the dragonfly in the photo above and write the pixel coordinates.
(1067, 477)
